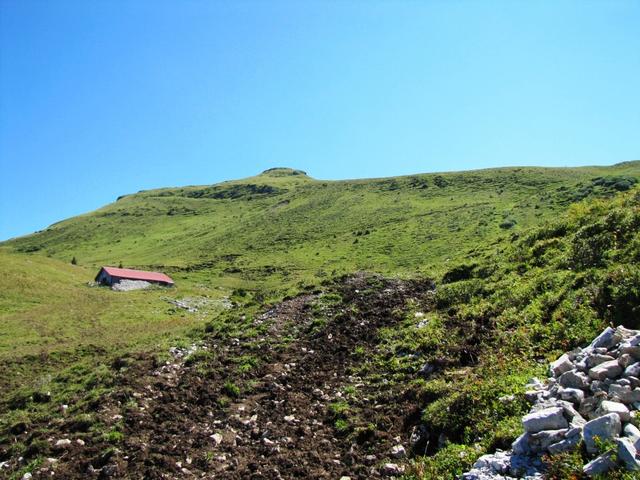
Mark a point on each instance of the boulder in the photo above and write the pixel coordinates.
(599, 465)
(546, 419)
(561, 365)
(597, 359)
(607, 339)
(539, 442)
(566, 445)
(573, 379)
(605, 428)
(521, 446)
(607, 407)
(627, 454)
(624, 393)
(633, 351)
(605, 370)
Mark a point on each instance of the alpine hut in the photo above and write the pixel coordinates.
(112, 275)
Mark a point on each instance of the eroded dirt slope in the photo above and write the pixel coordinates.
(296, 401)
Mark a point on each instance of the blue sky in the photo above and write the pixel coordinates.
(102, 98)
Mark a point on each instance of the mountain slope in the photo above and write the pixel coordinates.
(283, 226)
(330, 382)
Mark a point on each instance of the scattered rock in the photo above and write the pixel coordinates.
(392, 469)
(398, 452)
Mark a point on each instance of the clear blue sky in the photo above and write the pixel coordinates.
(101, 98)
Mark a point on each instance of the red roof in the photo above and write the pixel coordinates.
(137, 274)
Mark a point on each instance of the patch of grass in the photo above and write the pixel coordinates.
(113, 436)
(199, 356)
(338, 409)
(231, 389)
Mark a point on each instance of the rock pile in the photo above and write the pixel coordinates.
(591, 398)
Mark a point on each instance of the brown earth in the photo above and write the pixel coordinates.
(307, 403)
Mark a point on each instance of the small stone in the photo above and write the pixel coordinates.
(632, 433)
(605, 428)
(627, 454)
(392, 469)
(608, 369)
(27, 476)
(625, 333)
(572, 432)
(534, 384)
(398, 452)
(63, 443)
(289, 419)
(521, 444)
(217, 438)
(599, 465)
(80, 442)
(547, 419)
(573, 395)
(625, 360)
(618, 408)
(632, 370)
(531, 395)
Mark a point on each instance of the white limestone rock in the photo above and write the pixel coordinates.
(546, 419)
(607, 339)
(561, 365)
(607, 407)
(605, 370)
(573, 395)
(627, 454)
(633, 434)
(605, 428)
(599, 465)
(572, 379)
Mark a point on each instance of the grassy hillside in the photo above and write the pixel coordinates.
(392, 356)
(511, 293)
(268, 236)
(283, 226)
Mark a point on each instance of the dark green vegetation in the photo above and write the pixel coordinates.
(522, 272)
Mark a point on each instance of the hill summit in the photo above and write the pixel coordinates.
(283, 172)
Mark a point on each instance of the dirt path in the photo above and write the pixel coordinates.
(303, 412)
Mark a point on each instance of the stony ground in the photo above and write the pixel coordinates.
(280, 417)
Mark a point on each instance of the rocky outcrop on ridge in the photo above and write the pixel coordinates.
(591, 398)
